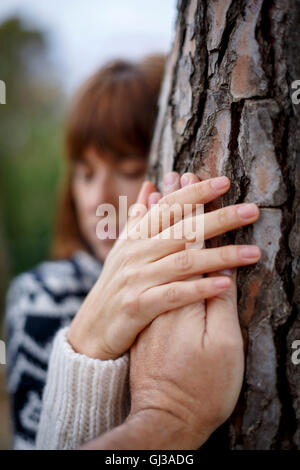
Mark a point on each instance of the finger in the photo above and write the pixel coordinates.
(180, 236)
(212, 223)
(222, 312)
(153, 199)
(188, 178)
(186, 263)
(140, 207)
(225, 272)
(146, 189)
(229, 218)
(163, 298)
(231, 273)
(171, 182)
(198, 193)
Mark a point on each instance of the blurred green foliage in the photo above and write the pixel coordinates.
(31, 125)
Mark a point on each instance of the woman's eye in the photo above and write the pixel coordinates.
(87, 175)
(83, 174)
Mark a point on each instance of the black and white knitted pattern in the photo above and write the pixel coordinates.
(38, 304)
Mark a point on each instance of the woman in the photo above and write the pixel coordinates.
(71, 322)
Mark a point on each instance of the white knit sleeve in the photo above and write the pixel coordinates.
(83, 397)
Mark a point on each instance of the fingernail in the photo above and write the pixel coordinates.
(226, 272)
(249, 252)
(247, 211)
(185, 180)
(222, 282)
(219, 183)
(170, 179)
(153, 198)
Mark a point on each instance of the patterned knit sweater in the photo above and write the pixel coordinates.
(59, 398)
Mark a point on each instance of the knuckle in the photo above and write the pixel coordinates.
(200, 291)
(198, 191)
(132, 276)
(168, 200)
(127, 277)
(225, 254)
(172, 295)
(131, 304)
(183, 260)
(223, 216)
(200, 287)
(128, 256)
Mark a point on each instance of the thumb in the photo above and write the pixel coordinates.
(222, 312)
(232, 272)
(230, 294)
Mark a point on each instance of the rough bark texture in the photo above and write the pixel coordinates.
(226, 108)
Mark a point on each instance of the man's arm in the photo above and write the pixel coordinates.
(148, 429)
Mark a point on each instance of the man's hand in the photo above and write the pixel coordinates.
(189, 362)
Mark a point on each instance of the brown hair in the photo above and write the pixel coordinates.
(115, 111)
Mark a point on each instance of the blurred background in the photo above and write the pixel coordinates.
(46, 50)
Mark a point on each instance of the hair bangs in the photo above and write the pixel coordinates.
(112, 116)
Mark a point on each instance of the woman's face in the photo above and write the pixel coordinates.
(100, 179)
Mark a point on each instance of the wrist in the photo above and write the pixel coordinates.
(87, 328)
(82, 342)
(160, 429)
(145, 430)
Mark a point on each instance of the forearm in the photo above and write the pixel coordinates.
(76, 385)
(149, 429)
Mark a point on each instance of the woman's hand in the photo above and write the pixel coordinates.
(143, 278)
(189, 363)
(226, 300)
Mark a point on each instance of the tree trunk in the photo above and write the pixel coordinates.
(226, 108)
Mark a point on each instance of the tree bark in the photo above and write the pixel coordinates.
(225, 109)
